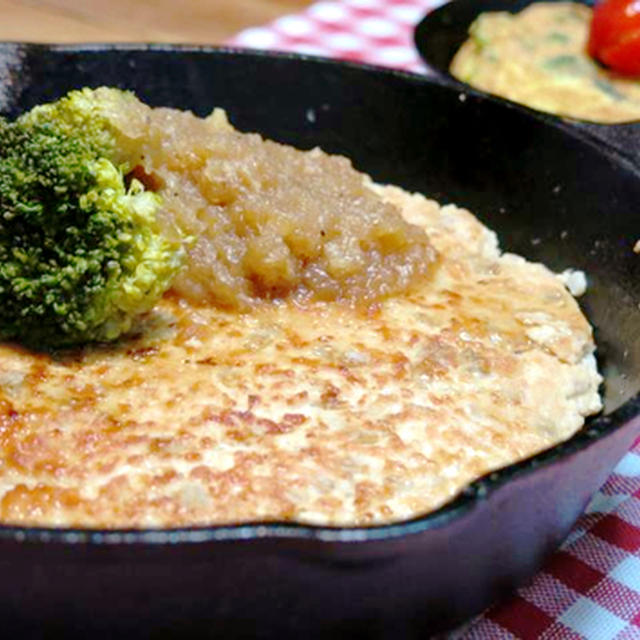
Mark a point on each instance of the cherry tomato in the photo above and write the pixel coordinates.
(614, 38)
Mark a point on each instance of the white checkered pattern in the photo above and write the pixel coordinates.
(374, 31)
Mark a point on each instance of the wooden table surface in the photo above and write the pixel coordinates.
(192, 21)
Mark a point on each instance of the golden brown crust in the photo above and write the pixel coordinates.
(323, 413)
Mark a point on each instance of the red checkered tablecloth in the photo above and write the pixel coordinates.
(590, 588)
(373, 31)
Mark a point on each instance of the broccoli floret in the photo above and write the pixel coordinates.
(80, 252)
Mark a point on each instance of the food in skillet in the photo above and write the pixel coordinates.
(332, 352)
(539, 57)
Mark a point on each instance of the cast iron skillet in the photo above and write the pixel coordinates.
(443, 31)
(551, 195)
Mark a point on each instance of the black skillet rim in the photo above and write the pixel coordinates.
(421, 32)
(595, 428)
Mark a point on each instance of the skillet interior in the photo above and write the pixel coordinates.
(549, 194)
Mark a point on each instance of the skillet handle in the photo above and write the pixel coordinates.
(621, 138)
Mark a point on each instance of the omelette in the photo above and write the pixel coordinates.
(374, 378)
(538, 57)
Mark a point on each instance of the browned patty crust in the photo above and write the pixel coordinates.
(320, 413)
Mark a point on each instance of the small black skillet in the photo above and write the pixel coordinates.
(549, 193)
(443, 31)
